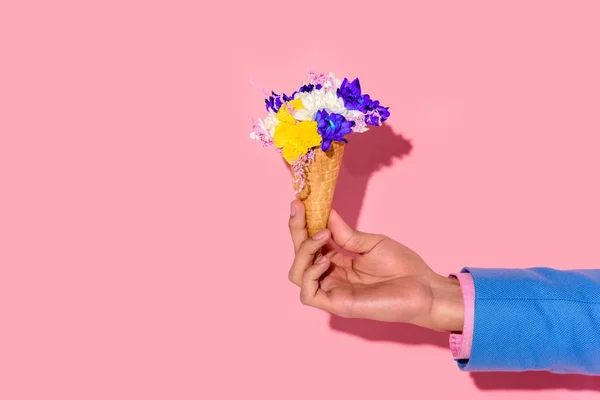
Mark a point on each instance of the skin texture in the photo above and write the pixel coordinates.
(370, 276)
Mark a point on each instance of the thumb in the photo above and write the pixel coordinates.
(350, 239)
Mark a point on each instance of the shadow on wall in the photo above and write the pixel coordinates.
(389, 332)
(365, 154)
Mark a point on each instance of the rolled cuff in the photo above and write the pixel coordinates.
(460, 343)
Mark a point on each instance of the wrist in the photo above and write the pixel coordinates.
(447, 309)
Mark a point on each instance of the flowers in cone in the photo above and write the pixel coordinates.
(320, 112)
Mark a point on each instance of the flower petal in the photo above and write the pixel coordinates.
(303, 115)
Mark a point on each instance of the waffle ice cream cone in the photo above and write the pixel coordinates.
(320, 180)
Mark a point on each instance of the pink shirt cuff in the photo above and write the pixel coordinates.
(460, 343)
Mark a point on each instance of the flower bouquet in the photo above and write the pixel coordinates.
(309, 129)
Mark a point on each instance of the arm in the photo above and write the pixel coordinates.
(498, 319)
(535, 319)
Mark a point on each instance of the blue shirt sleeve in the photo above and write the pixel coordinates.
(535, 319)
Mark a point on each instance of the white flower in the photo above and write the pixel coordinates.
(359, 121)
(265, 127)
(333, 82)
(318, 100)
(270, 123)
(264, 130)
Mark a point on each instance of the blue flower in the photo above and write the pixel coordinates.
(332, 127)
(351, 94)
(275, 101)
(309, 88)
(376, 114)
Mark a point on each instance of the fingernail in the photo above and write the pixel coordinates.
(320, 235)
(292, 210)
(321, 260)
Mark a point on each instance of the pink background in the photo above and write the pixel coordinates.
(143, 237)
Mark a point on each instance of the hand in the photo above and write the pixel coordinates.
(381, 279)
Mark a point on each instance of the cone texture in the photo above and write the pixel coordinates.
(320, 180)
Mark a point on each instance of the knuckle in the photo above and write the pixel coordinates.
(292, 222)
(302, 247)
(295, 223)
(375, 241)
(304, 298)
(293, 276)
(306, 246)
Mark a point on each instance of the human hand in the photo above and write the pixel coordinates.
(382, 280)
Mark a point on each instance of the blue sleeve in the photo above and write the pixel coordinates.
(535, 319)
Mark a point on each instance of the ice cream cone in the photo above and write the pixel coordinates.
(320, 179)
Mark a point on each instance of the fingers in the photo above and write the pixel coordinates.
(297, 224)
(311, 294)
(350, 239)
(305, 255)
(329, 248)
(326, 283)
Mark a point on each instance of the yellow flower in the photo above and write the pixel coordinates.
(296, 139)
(284, 114)
(296, 104)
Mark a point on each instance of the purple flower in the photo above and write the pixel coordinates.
(309, 88)
(351, 94)
(275, 101)
(376, 114)
(332, 127)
